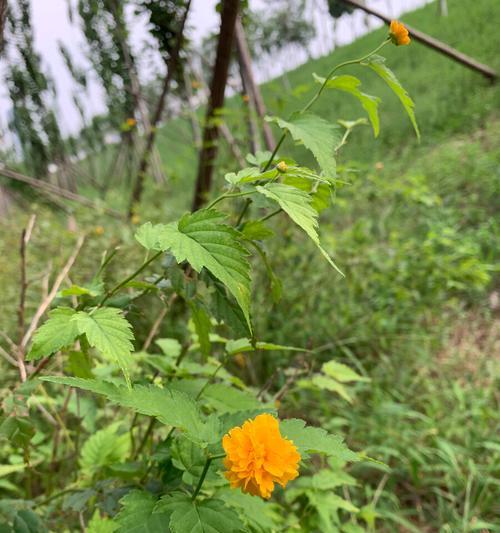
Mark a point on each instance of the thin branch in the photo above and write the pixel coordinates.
(54, 189)
(25, 238)
(52, 294)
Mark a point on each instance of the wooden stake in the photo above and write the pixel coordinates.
(433, 43)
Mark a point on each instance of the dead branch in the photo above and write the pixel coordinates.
(54, 189)
(52, 294)
(25, 238)
(251, 86)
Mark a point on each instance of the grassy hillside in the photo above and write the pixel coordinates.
(449, 98)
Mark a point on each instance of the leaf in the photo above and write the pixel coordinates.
(341, 372)
(350, 84)
(107, 330)
(138, 514)
(169, 406)
(245, 345)
(6, 470)
(170, 347)
(205, 242)
(18, 430)
(254, 511)
(202, 324)
(226, 399)
(228, 311)
(327, 383)
(57, 332)
(148, 236)
(317, 135)
(101, 525)
(309, 439)
(26, 521)
(193, 516)
(297, 205)
(249, 175)
(104, 448)
(377, 64)
(79, 365)
(256, 230)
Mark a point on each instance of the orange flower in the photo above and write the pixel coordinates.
(398, 33)
(257, 456)
(131, 122)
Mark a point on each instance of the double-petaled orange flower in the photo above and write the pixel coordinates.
(257, 456)
(398, 33)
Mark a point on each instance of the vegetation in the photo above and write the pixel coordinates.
(155, 344)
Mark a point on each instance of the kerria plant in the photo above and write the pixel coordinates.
(213, 452)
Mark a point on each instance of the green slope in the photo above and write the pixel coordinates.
(449, 97)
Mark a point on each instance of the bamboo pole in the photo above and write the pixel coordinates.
(433, 43)
(253, 88)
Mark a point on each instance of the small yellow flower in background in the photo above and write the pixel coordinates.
(257, 456)
(135, 219)
(398, 33)
(246, 98)
(282, 166)
(379, 165)
(195, 84)
(131, 122)
(99, 230)
(240, 360)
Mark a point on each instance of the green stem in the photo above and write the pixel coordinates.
(243, 211)
(270, 215)
(202, 477)
(113, 291)
(228, 195)
(217, 456)
(318, 94)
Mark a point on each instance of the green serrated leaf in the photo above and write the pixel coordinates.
(148, 236)
(254, 511)
(377, 64)
(225, 399)
(57, 332)
(138, 514)
(297, 205)
(107, 330)
(350, 84)
(316, 134)
(194, 516)
(104, 448)
(203, 325)
(228, 311)
(202, 239)
(309, 439)
(169, 406)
